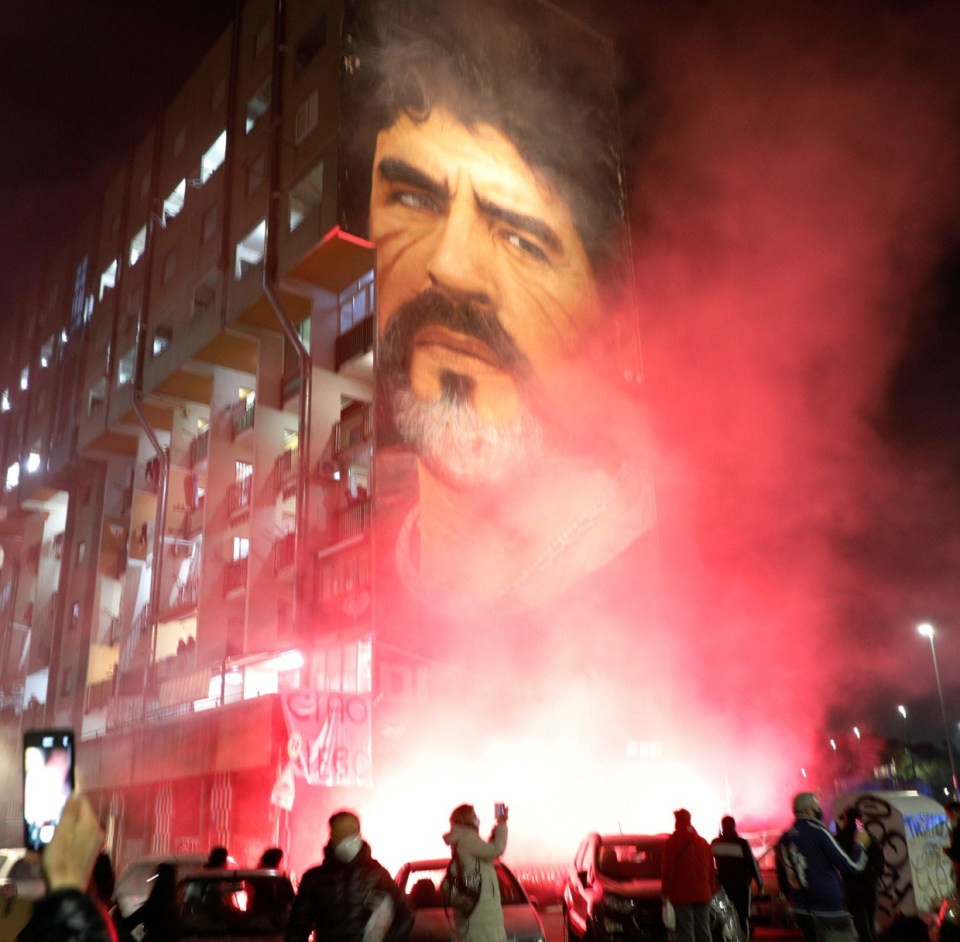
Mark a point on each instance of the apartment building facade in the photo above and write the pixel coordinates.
(186, 440)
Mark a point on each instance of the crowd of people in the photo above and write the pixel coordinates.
(348, 897)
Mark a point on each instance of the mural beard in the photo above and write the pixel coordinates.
(456, 444)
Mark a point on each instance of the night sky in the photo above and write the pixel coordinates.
(794, 189)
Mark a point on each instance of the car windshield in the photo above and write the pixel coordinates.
(630, 860)
(222, 905)
(422, 887)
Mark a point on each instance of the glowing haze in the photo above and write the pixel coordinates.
(791, 188)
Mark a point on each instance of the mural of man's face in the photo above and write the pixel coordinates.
(483, 282)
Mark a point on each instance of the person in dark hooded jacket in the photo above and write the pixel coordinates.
(737, 869)
(349, 897)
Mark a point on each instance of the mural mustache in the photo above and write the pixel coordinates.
(460, 446)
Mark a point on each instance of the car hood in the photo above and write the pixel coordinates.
(634, 889)
(520, 922)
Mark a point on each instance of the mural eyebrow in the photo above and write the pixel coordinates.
(529, 224)
(395, 170)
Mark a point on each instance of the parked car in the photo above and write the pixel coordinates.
(421, 879)
(613, 893)
(20, 874)
(235, 905)
(134, 883)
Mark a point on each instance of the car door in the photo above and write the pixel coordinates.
(577, 889)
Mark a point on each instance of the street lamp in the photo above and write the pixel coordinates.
(926, 629)
(902, 710)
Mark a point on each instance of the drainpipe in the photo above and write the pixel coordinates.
(270, 267)
(163, 481)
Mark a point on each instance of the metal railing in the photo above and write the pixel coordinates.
(200, 448)
(283, 552)
(235, 575)
(239, 496)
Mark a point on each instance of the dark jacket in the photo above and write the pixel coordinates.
(337, 899)
(688, 874)
(813, 862)
(67, 916)
(736, 866)
(861, 885)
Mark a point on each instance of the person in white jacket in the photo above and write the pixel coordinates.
(470, 850)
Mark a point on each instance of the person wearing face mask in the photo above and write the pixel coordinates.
(349, 897)
(470, 851)
(813, 865)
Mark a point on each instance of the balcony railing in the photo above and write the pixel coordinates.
(355, 342)
(235, 575)
(100, 694)
(238, 497)
(193, 520)
(285, 472)
(242, 414)
(354, 429)
(199, 448)
(354, 521)
(342, 574)
(283, 552)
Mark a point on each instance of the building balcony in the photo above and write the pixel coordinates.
(242, 415)
(100, 694)
(354, 521)
(283, 553)
(285, 472)
(193, 520)
(238, 498)
(235, 576)
(200, 448)
(355, 342)
(355, 428)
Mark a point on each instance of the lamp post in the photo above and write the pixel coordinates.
(926, 629)
(902, 710)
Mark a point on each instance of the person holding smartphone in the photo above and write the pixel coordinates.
(66, 912)
(471, 852)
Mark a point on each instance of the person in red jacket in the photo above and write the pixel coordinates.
(689, 879)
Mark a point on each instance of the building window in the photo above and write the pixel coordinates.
(307, 116)
(255, 175)
(210, 162)
(258, 104)
(250, 249)
(25, 378)
(138, 245)
(162, 335)
(96, 396)
(306, 196)
(210, 220)
(82, 551)
(125, 367)
(174, 202)
(13, 476)
(241, 548)
(108, 279)
(33, 462)
(5, 401)
(46, 354)
(75, 615)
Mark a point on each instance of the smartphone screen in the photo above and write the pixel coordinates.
(48, 757)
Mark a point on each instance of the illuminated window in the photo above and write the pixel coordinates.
(25, 378)
(243, 469)
(13, 476)
(138, 245)
(257, 105)
(210, 162)
(162, 336)
(108, 279)
(250, 250)
(125, 367)
(174, 202)
(46, 354)
(33, 462)
(5, 401)
(241, 548)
